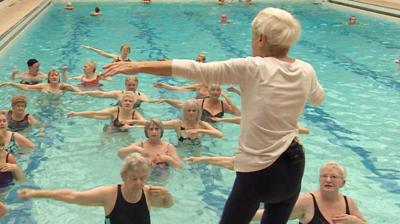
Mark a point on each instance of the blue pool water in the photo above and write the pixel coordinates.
(357, 125)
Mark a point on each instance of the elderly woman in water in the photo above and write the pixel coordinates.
(159, 153)
(125, 203)
(131, 85)
(212, 106)
(53, 85)
(14, 141)
(18, 119)
(119, 115)
(190, 128)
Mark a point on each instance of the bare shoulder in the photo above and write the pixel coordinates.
(305, 199)
(352, 204)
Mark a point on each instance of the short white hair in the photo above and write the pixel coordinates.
(336, 165)
(279, 26)
(134, 162)
(126, 94)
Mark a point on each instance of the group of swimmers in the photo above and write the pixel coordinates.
(206, 107)
(130, 201)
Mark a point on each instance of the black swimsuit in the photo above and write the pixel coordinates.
(116, 124)
(318, 218)
(129, 213)
(206, 115)
(20, 125)
(30, 82)
(194, 141)
(119, 59)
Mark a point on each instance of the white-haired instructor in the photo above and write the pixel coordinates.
(275, 87)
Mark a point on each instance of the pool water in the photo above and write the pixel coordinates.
(357, 125)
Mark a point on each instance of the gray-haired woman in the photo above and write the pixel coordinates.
(124, 203)
(161, 154)
(190, 128)
(120, 115)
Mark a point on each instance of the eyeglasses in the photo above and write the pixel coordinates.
(332, 177)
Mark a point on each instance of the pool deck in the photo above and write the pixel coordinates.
(384, 7)
(16, 14)
(15, 11)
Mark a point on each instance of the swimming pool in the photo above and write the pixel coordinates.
(357, 125)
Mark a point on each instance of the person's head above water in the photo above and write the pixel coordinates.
(33, 65)
(352, 20)
(201, 58)
(274, 32)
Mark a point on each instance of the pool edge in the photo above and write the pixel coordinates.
(380, 9)
(12, 32)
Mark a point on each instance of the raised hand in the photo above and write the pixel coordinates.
(128, 68)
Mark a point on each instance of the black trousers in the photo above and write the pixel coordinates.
(277, 186)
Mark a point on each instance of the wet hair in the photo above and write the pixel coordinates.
(18, 99)
(125, 45)
(31, 62)
(51, 72)
(92, 64)
(279, 26)
(132, 77)
(336, 165)
(97, 9)
(192, 104)
(134, 162)
(127, 94)
(155, 122)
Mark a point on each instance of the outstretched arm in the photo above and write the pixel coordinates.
(174, 103)
(193, 87)
(71, 88)
(93, 114)
(101, 52)
(222, 161)
(93, 197)
(235, 120)
(101, 94)
(37, 87)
